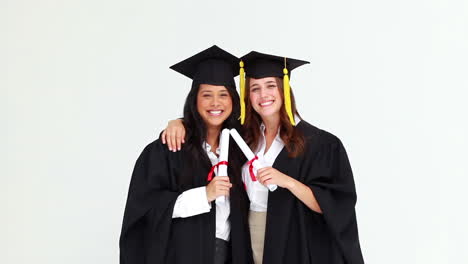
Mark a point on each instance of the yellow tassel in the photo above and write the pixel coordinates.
(287, 95)
(242, 91)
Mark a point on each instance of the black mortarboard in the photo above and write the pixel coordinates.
(212, 66)
(259, 65)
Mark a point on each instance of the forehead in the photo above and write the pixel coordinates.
(262, 80)
(211, 88)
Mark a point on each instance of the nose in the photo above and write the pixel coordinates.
(215, 101)
(263, 92)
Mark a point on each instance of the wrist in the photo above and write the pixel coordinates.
(291, 183)
(208, 198)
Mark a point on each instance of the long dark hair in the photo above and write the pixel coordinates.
(292, 137)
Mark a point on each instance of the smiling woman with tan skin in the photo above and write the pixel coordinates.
(214, 104)
(311, 217)
(171, 215)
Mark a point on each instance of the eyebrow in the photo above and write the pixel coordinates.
(211, 91)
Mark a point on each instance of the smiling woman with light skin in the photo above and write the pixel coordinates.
(267, 101)
(171, 215)
(311, 217)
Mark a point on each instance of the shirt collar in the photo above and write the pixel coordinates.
(207, 147)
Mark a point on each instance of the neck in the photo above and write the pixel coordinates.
(272, 124)
(212, 136)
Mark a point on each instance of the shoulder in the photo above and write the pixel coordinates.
(319, 140)
(156, 159)
(315, 135)
(156, 145)
(155, 149)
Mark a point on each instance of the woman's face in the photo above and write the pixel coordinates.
(265, 96)
(214, 104)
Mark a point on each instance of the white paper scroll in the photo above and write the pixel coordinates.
(223, 156)
(250, 155)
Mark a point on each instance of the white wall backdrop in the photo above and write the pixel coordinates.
(85, 85)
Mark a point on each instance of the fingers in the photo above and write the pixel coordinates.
(265, 169)
(265, 179)
(222, 182)
(175, 134)
(178, 140)
(273, 176)
(163, 137)
(169, 140)
(175, 138)
(219, 186)
(222, 188)
(222, 193)
(221, 178)
(264, 175)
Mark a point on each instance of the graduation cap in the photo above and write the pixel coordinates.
(212, 66)
(259, 65)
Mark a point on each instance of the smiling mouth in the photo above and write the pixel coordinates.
(215, 112)
(267, 103)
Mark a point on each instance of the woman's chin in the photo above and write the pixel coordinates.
(268, 113)
(214, 122)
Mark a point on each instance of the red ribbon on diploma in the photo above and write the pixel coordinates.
(252, 175)
(210, 174)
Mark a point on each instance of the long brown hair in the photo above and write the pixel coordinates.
(293, 138)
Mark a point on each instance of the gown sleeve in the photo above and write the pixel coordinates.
(330, 177)
(148, 212)
(191, 202)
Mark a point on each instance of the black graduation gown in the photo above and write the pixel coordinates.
(295, 233)
(150, 234)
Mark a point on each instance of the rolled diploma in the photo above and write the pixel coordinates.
(250, 155)
(223, 156)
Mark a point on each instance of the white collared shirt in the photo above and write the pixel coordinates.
(194, 202)
(257, 192)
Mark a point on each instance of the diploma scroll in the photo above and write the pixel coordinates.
(223, 156)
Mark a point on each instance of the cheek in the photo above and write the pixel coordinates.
(228, 104)
(200, 104)
(276, 93)
(253, 97)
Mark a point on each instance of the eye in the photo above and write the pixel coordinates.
(224, 94)
(206, 95)
(255, 89)
(271, 86)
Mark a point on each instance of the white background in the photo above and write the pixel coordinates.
(85, 85)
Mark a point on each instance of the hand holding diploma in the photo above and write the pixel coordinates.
(253, 160)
